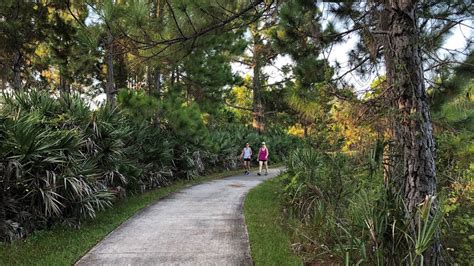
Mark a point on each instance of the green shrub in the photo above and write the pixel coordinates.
(456, 182)
(342, 211)
(61, 161)
(316, 176)
(46, 176)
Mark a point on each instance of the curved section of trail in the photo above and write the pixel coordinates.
(202, 224)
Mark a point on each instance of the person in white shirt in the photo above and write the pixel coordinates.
(246, 155)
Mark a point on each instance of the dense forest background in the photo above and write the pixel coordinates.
(102, 99)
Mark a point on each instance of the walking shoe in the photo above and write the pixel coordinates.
(259, 174)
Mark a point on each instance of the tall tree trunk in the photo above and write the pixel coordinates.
(120, 70)
(149, 79)
(412, 129)
(63, 83)
(4, 85)
(153, 80)
(16, 84)
(157, 8)
(172, 77)
(258, 122)
(157, 81)
(154, 72)
(110, 85)
(16, 53)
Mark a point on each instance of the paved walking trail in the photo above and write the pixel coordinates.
(200, 225)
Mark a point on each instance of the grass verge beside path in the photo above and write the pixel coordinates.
(64, 245)
(269, 243)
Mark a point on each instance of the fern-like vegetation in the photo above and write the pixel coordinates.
(62, 162)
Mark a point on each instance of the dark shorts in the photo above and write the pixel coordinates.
(262, 160)
(247, 159)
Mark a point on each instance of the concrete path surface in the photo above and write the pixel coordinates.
(200, 225)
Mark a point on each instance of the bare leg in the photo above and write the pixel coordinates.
(260, 163)
(266, 167)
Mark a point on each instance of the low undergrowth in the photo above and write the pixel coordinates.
(63, 245)
(63, 162)
(340, 210)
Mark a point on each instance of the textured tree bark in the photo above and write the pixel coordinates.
(121, 74)
(157, 79)
(16, 84)
(17, 56)
(258, 110)
(157, 92)
(110, 85)
(157, 8)
(154, 81)
(160, 6)
(63, 84)
(154, 72)
(3, 86)
(412, 131)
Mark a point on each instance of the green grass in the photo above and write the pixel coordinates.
(64, 245)
(269, 243)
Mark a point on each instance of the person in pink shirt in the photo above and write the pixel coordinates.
(263, 159)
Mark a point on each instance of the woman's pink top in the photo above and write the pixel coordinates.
(263, 154)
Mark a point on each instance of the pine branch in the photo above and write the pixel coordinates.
(238, 107)
(174, 18)
(352, 69)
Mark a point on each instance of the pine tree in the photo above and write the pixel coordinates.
(22, 25)
(110, 14)
(157, 16)
(405, 34)
(62, 40)
(259, 54)
(299, 35)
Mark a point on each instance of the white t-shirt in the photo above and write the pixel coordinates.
(247, 152)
